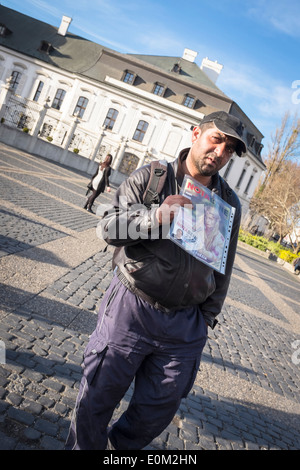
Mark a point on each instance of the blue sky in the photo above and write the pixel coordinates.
(256, 41)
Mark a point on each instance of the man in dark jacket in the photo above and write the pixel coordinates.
(153, 320)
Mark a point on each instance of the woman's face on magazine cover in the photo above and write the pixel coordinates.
(211, 150)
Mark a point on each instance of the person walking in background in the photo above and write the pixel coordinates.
(296, 265)
(99, 181)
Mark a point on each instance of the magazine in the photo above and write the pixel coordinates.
(203, 228)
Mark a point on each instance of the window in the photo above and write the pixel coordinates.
(228, 168)
(189, 101)
(38, 91)
(128, 164)
(4, 31)
(159, 89)
(129, 77)
(176, 68)
(46, 130)
(23, 122)
(241, 178)
(45, 47)
(110, 119)
(15, 80)
(249, 184)
(140, 131)
(58, 99)
(81, 106)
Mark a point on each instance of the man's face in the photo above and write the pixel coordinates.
(211, 150)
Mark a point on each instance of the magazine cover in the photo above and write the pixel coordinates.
(203, 228)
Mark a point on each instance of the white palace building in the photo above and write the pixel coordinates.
(71, 100)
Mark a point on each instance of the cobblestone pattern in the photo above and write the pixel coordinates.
(18, 233)
(40, 381)
(45, 335)
(41, 205)
(84, 286)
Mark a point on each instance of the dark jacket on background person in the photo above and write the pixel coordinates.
(158, 270)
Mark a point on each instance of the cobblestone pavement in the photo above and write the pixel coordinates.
(54, 270)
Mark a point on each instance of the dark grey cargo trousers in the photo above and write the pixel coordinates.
(133, 340)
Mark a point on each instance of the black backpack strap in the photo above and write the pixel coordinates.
(158, 175)
(225, 189)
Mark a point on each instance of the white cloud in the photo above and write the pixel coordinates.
(280, 14)
(46, 7)
(244, 83)
(264, 99)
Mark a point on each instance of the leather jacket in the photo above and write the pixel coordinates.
(157, 269)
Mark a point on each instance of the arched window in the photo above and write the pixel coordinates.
(140, 131)
(81, 106)
(38, 91)
(110, 119)
(15, 80)
(58, 99)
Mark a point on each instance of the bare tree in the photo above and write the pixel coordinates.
(279, 201)
(285, 145)
(277, 196)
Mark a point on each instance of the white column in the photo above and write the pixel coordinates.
(69, 138)
(5, 96)
(38, 124)
(121, 152)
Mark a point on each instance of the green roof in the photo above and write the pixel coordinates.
(70, 52)
(188, 70)
(79, 55)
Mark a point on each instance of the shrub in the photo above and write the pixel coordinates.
(263, 244)
(287, 256)
(76, 150)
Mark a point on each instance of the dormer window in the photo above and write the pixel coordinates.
(129, 77)
(159, 89)
(46, 47)
(258, 148)
(250, 139)
(189, 101)
(176, 68)
(4, 31)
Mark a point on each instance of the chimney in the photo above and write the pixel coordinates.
(189, 55)
(64, 25)
(211, 69)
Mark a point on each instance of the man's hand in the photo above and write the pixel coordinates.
(166, 212)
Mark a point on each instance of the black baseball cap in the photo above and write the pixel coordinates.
(229, 125)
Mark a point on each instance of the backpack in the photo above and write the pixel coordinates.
(158, 175)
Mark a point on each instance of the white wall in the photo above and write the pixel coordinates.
(168, 132)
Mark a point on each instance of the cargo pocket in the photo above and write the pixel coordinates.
(192, 378)
(92, 359)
